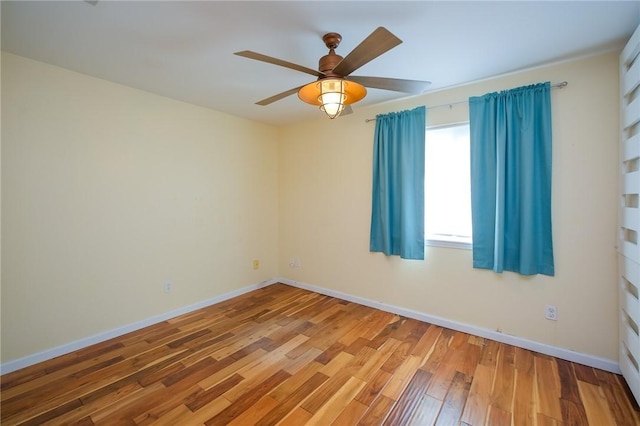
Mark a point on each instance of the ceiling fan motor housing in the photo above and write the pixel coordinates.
(328, 62)
(350, 92)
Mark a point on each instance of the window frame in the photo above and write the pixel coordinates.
(446, 241)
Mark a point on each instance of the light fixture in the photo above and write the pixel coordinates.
(332, 94)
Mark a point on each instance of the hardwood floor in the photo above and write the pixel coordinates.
(282, 355)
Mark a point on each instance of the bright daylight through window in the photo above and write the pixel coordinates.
(447, 186)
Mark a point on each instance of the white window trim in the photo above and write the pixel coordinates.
(448, 242)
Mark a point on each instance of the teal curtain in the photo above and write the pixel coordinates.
(511, 180)
(397, 213)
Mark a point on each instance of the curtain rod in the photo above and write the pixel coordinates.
(450, 104)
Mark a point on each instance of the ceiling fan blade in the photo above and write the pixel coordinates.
(347, 110)
(277, 97)
(264, 58)
(395, 84)
(378, 42)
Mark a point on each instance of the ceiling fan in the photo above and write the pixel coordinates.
(335, 88)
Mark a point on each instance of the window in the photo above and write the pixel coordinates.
(447, 186)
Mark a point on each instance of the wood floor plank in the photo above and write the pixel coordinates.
(373, 388)
(437, 353)
(586, 374)
(277, 358)
(298, 417)
(444, 374)
(26, 376)
(374, 323)
(175, 390)
(401, 377)
(202, 397)
(547, 388)
(499, 417)
(255, 413)
(335, 310)
(351, 415)
(99, 415)
(172, 417)
(294, 365)
(254, 378)
(624, 410)
(337, 403)
(341, 323)
(386, 333)
(478, 401)
(542, 420)
(469, 360)
(200, 369)
(242, 339)
(504, 379)
(398, 353)
(524, 408)
(595, 404)
(228, 366)
(337, 364)
(477, 340)
(53, 413)
(289, 328)
(23, 381)
(292, 400)
(247, 399)
(454, 401)
(404, 409)
(427, 341)
(86, 409)
(205, 413)
(458, 339)
(287, 356)
(524, 360)
(568, 381)
(357, 345)
(59, 393)
(328, 354)
(573, 413)
(387, 358)
(325, 392)
(490, 353)
(283, 391)
(362, 329)
(427, 411)
(377, 412)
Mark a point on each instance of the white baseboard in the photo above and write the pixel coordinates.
(566, 354)
(590, 360)
(48, 354)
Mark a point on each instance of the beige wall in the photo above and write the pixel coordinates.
(108, 191)
(325, 196)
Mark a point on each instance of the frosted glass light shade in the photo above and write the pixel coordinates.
(332, 94)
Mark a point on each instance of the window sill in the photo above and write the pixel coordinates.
(450, 243)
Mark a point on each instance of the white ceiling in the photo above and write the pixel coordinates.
(184, 50)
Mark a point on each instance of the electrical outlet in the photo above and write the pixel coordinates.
(256, 264)
(294, 263)
(551, 312)
(168, 287)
